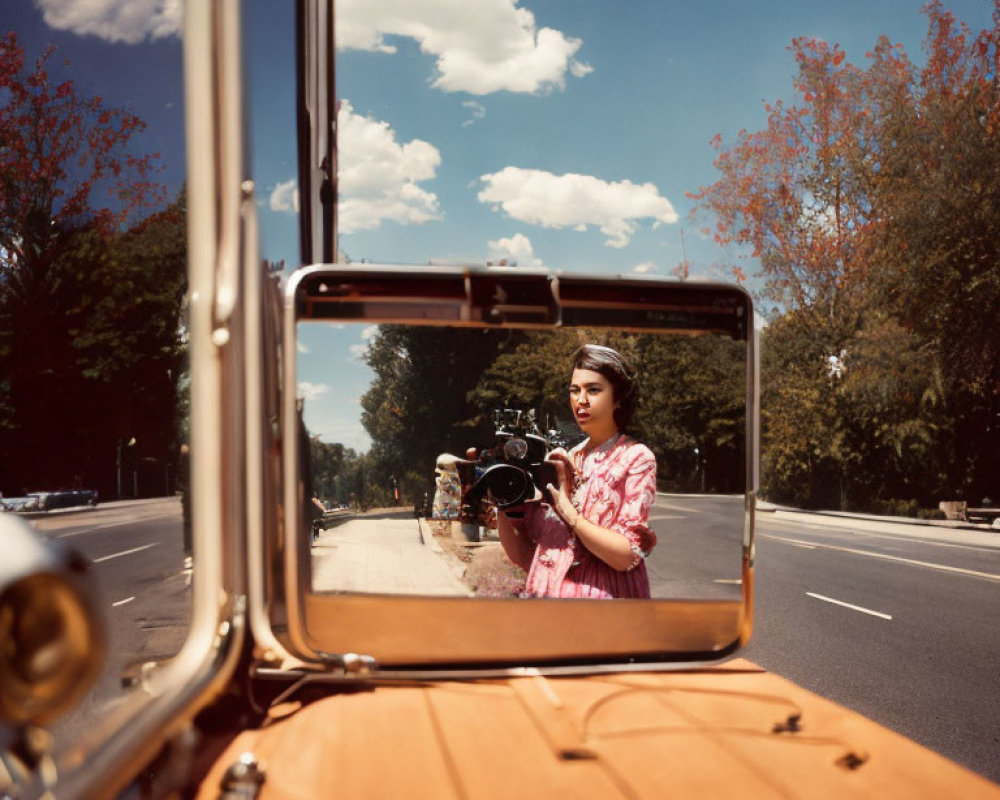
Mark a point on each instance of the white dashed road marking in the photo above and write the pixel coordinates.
(849, 605)
(125, 553)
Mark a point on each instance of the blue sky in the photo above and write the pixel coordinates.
(560, 133)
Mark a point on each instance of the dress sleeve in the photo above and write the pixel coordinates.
(638, 495)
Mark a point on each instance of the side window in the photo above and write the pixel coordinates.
(93, 375)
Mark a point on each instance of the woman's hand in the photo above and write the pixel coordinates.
(560, 494)
(564, 469)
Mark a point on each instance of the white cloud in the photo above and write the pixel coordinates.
(301, 347)
(310, 391)
(481, 47)
(378, 176)
(285, 197)
(478, 111)
(644, 267)
(516, 248)
(576, 201)
(129, 21)
(358, 351)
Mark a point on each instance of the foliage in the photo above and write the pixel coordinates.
(91, 342)
(60, 148)
(871, 204)
(417, 406)
(336, 472)
(435, 391)
(532, 372)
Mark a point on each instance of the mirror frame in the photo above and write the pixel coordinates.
(409, 631)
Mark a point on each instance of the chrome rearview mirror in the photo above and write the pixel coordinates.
(416, 401)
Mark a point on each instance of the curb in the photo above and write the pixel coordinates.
(943, 525)
(426, 537)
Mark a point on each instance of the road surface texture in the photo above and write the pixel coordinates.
(136, 549)
(898, 622)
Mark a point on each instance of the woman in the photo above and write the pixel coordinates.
(593, 538)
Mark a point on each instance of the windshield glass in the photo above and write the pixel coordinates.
(93, 376)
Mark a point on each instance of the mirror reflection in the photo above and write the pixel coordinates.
(517, 463)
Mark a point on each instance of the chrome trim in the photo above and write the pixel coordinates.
(254, 386)
(296, 577)
(305, 677)
(394, 630)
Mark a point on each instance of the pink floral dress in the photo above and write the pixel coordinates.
(616, 490)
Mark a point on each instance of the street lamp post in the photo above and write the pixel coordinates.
(118, 465)
(698, 471)
(835, 371)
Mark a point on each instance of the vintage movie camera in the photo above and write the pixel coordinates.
(512, 472)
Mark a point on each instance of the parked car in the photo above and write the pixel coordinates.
(51, 500)
(26, 503)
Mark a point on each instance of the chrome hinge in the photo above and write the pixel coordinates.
(243, 780)
(354, 664)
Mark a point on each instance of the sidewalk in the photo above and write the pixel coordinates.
(381, 555)
(938, 530)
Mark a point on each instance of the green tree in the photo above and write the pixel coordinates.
(939, 186)
(531, 372)
(691, 410)
(870, 204)
(417, 406)
(328, 464)
(90, 289)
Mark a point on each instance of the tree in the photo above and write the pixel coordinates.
(940, 188)
(871, 206)
(531, 373)
(90, 288)
(790, 195)
(851, 428)
(417, 406)
(691, 409)
(60, 149)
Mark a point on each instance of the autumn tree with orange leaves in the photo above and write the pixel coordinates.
(872, 206)
(92, 266)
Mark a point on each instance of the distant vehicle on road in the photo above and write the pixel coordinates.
(50, 501)
(26, 503)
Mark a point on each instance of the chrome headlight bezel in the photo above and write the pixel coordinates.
(53, 638)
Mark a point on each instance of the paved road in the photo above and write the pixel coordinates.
(136, 548)
(900, 623)
(699, 547)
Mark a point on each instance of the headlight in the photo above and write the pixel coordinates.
(52, 640)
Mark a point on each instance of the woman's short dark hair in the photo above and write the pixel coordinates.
(613, 366)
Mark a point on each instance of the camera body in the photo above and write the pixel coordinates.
(511, 472)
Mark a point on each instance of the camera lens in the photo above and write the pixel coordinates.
(515, 449)
(507, 485)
